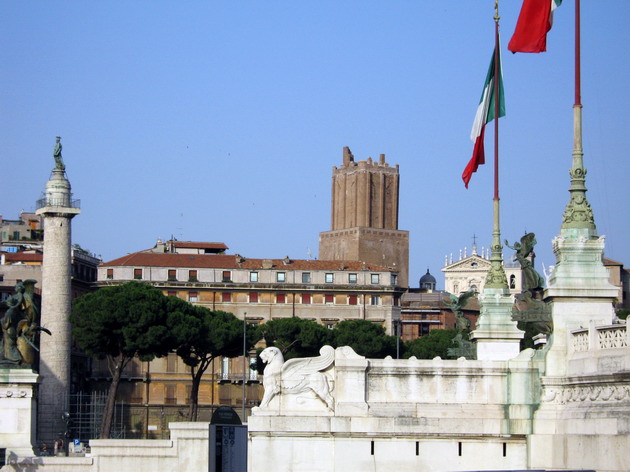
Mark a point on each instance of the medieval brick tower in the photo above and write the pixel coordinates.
(365, 216)
(57, 209)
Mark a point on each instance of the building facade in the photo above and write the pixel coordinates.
(28, 227)
(620, 278)
(364, 222)
(254, 290)
(469, 272)
(264, 289)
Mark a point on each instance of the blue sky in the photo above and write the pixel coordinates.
(221, 121)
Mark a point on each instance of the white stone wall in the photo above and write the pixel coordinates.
(403, 415)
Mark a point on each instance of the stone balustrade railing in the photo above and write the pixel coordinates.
(600, 337)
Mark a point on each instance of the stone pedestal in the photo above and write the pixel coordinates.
(17, 412)
(579, 292)
(498, 338)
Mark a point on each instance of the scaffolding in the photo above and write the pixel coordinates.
(86, 414)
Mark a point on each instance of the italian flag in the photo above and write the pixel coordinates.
(534, 22)
(484, 115)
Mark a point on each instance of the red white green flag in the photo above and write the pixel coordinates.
(534, 22)
(484, 115)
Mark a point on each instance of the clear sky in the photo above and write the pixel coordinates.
(221, 121)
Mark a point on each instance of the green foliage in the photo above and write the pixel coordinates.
(206, 334)
(434, 344)
(366, 338)
(125, 320)
(202, 335)
(623, 313)
(295, 337)
(121, 322)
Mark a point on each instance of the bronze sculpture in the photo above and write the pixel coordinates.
(57, 155)
(19, 327)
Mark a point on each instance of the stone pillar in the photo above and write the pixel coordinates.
(579, 292)
(17, 413)
(498, 338)
(57, 209)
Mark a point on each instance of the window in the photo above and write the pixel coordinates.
(169, 397)
(352, 299)
(394, 279)
(396, 301)
(329, 298)
(253, 276)
(192, 276)
(110, 274)
(281, 298)
(352, 278)
(225, 368)
(172, 274)
(329, 277)
(375, 300)
(253, 297)
(424, 329)
(171, 362)
(253, 373)
(306, 299)
(375, 279)
(171, 293)
(306, 277)
(137, 274)
(330, 325)
(512, 281)
(227, 276)
(226, 297)
(281, 276)
(192, 297)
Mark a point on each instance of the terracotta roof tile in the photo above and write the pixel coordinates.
(610, 262)
(224, 261)
(194, 245)
(14, 257)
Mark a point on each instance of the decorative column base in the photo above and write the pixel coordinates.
(498, 338)
(579, 292)
(18, 412)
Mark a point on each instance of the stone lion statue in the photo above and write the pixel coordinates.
(297, 375)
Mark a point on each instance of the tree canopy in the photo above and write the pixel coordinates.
(202, 335)
(295, 337)
(121, 322)
(436, 343)
(366, 338)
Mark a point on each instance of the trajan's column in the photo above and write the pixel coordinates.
(57, 209)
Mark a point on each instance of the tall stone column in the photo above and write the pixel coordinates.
(57, 209)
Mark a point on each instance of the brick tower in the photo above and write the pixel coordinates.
(57, 209)
(365, 216)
